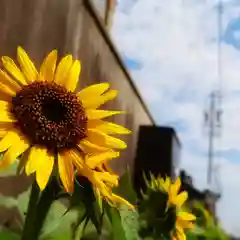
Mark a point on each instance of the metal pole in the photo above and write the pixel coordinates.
(211, 118)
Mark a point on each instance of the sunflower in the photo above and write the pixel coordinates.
(101, 176)
(184, 220)
(48, 125)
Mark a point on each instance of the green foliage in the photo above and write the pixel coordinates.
(124, 223)
(123, 219)
(58, 224)
(6, 234)
(125, 188)
(20, 205)
(118, 232)
(129, 221)
(119, 223)
(156, 220)
(86, 217)
(207, 227)
(85, 201)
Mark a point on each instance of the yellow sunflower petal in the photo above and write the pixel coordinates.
(100, 185)
(36, 158)
(72, 79)
(27, 65)
(97, 179)
(11, 67)
(186, 216)
(76, 158)
(10, 139)
(95, 160)
(180, 236)
(107, 127)
(175, 187)
(180, 199)
(44, 169)
(117, 199)
(90, 148)
(108, 178)
(9, 82)
(3, 133)
(185, 224)
(96, 102)
(5, 115)
(180, 233)
(4, 105)
(31, 161)
(165, 184)
(104, 140)
(6, 93)
(17, 148)
(63, 70)
(93, 91)
(99, 114)
(48, 67)
(66, 171)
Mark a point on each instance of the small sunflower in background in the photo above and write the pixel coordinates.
(161, 210)
(176, 199)
(46, 123)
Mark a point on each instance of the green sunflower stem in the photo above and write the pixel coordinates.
(38, 210)
(31, 212)
(47, 198)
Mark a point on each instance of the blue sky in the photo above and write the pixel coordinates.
(172, 55)
(132, 64)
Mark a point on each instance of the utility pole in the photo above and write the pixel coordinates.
(213, 124)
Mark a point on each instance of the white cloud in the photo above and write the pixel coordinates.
(176, 42)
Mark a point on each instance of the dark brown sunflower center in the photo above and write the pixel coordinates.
(49, 115)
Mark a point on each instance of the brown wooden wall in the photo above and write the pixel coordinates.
(72, 26)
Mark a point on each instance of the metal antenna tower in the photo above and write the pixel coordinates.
(214, 114)
(213, 124)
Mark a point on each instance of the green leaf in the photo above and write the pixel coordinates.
(84, 198)
(192, 236)
(58, 225)
(22, 203)
(117, 227)
(5, 234)
(198, 230)
(125, 188)
(129, 221)
(124, 221)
